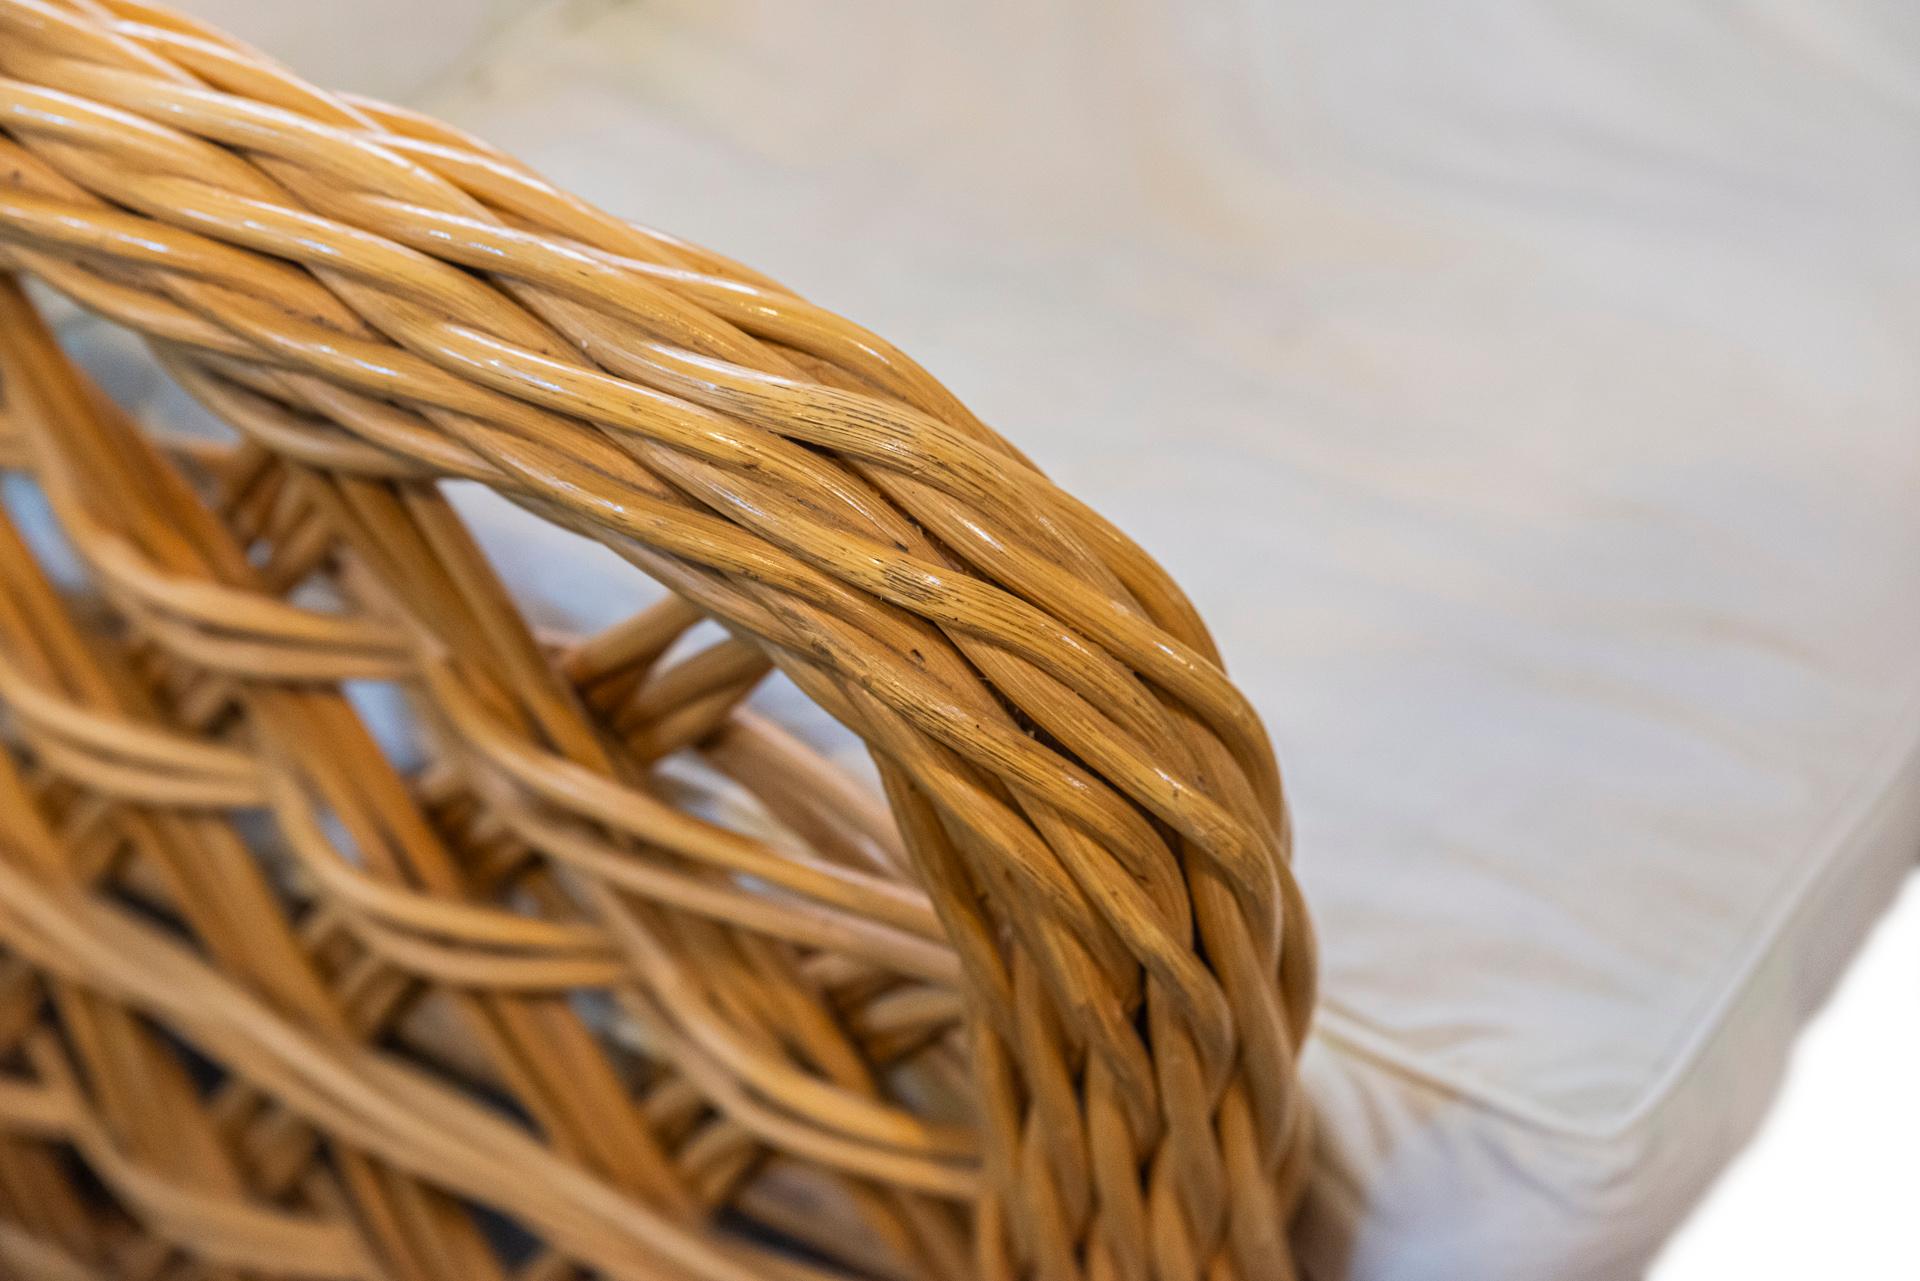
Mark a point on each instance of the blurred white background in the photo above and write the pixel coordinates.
(1827, 1189)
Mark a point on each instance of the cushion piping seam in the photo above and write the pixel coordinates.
(1342, 1028)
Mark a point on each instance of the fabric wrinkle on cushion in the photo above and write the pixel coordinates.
(1511, 474)
(1507, 414)
(1525, 398)
(1591, 1197)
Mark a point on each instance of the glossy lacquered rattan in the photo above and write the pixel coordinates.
(277, 1001)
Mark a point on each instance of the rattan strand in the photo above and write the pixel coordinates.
(274, 1002)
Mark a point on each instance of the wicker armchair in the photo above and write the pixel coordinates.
(277, 1002)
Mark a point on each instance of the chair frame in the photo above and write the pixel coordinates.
(298, 1008)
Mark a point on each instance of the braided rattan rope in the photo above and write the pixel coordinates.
(1077, 926)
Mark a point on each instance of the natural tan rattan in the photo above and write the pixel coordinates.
(275, 1002)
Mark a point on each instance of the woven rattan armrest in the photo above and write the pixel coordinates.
(277, 1003)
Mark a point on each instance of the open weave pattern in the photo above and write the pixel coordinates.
(275, 1004)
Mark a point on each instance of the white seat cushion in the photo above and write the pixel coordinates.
(1527, 396)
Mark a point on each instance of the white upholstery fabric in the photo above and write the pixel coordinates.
(1527, 394)
(391, 49)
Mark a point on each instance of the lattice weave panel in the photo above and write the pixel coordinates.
(607, 974)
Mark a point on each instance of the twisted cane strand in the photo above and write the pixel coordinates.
(1040, 1020)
